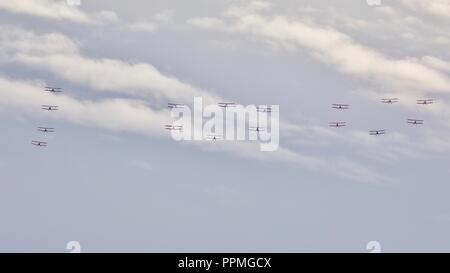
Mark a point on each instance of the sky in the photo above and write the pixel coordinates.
(114, 180)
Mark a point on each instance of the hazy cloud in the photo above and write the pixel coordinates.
(56, 10)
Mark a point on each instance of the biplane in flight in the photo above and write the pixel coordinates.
(175, 105)
(256, 129)
(226, 104)
(39, 143)
(377, 132)
(214, 137)
(46, 129)
(174, 127)
(425, 102)
(337, 124)
(53, 89)
(389, 101)
(416, 121)
(341, 106)
(50, 107)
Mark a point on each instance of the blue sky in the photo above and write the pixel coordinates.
(114, 180)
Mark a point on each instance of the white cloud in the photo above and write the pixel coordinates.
(383, 26)
(154, 24)
(146, 26)
(337, 49)
(56, 10)
(207, 23)
(112, 114)
(59, 54)
(18, 41)
(165, 16)
(438, 8)
(59, 10)
(436, 63)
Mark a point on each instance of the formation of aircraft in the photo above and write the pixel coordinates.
(338, 124)
(268, 109)
(50, 107)
(46, 107)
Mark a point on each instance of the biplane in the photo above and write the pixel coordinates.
(256, 129)
(425, 102)
(214, 137)
(53, 89)
(341, 106)
(377, 132)
(389, 101)
(337, 124)
(175, 105)
(46, 129)
(226, 104)
(39, 143)
(50, 107)
(174, 127)
(416, 121)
